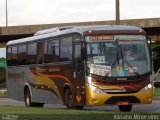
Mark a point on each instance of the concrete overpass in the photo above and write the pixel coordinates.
(151, 26)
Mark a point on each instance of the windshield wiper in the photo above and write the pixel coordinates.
(132, 68)
(122, 58)
(126, 61)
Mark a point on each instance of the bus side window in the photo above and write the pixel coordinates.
(40, 52)
(45, 52)
(22, 52)
(32, 53)
(66, 49)
(9, 56)
(14, 56)
(53, 51)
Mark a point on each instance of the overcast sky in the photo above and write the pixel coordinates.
(27, 12)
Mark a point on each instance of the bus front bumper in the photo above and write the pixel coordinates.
(95, 97)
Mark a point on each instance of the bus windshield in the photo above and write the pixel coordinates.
(118, 56)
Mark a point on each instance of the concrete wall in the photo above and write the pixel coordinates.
(15, 32)
(28, 29)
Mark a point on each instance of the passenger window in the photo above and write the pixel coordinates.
(31, 53)
(66, 49)
(22, 52)
(14, 56)
(45, 52)
(9, 56)
(40, 52)
(53, 51)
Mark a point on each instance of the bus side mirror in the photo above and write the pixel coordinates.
(157, 84)
(149, 40)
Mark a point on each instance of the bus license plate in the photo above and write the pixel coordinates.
(122, 103)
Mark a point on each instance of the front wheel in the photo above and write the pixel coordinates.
(79, 107)
(125, 108)
(69, 98)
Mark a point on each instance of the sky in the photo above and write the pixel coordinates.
(27, 12)
(30, 12)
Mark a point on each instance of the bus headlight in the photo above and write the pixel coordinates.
(95, 89)
(147, 87)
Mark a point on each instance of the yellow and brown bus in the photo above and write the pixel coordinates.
(81, 66)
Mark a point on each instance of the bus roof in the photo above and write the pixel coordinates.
(71, 29)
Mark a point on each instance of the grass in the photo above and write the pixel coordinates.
(25, 113)
(156, 92)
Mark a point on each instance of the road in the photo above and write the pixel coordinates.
(154, 107)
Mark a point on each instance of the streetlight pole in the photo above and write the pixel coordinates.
(117, 13)
(6, 13)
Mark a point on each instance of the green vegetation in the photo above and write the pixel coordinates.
(2, 59)
(155, 46)
(156, 91)
(3, 94)
(2, 70)
(25, 113)
(2, 75)
(156, 57)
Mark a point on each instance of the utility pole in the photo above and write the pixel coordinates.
(117, 13)
(6, 13)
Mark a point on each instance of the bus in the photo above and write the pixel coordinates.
(81, 66)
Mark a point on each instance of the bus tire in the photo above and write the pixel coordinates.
(125, 108)
(38, 104)
(27, 98)
(79, 107)
(28, 102)
(69, 98)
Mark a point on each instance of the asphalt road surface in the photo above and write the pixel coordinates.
(154, 107)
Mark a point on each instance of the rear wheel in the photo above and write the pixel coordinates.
(125, 108)
(27, 98)
(28, 102)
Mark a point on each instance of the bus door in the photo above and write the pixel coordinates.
(78, 73)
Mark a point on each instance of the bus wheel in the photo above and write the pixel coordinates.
(79, 107)
(69, 99)
(27, 98)
(125, 108)
(38, 104)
